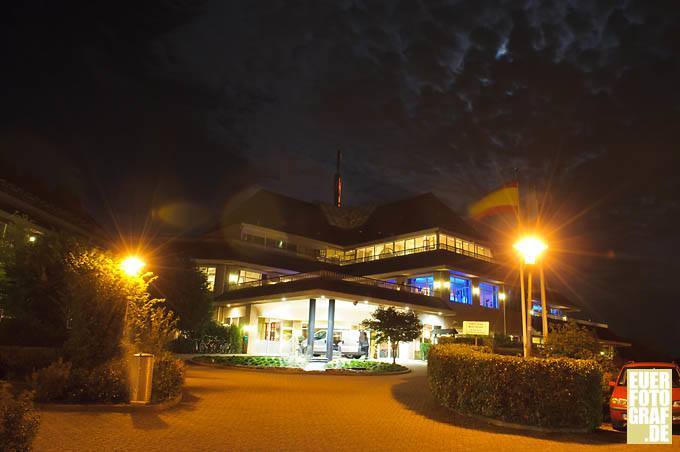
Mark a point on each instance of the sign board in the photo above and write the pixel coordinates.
(476, 328)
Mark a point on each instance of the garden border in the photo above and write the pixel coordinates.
(514, 426)
(299, 371)
(111, 407)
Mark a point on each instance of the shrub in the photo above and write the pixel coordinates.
(556, 392)
(18, 362)
(18, 421)
(425, 350)
(51, 382)
(168, 377)
(365, 365)
(60, 382)
(247, 360)
(106, 383)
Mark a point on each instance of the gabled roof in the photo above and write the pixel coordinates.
(346, 226)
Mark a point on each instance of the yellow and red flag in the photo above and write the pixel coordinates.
(502, 200)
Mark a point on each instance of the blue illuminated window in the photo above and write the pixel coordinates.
(424, 283)
(460, 290)
(488, 295)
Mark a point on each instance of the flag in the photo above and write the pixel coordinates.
(504, 199)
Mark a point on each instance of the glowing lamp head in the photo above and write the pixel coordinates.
(501, 296)
(530, 248)
(132, 265)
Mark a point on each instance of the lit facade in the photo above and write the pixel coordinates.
(295, 274)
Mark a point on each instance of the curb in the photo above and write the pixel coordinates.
(298, 371)
(531, 428)
(110, 407)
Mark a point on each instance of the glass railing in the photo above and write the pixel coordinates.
(330, 276)
(383, 255)
(405, 252)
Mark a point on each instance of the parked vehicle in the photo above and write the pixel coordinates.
(346, 342)
(618, 403)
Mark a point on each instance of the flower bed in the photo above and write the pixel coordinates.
(247, 361)
(365, 366)
(558, 393)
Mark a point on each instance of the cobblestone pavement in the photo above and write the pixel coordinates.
(255, 410)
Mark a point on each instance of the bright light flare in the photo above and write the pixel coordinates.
(530, 248)
(132, 265)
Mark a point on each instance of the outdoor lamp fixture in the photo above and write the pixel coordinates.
(501, 296)
(530, 248)
(132, 265)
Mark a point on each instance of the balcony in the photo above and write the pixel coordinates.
(328, 276)
(342, 261)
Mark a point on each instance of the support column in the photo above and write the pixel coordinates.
(220, 269)
(310, 327)
(329, 331)
(251, 327)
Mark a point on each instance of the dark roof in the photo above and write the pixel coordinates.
(347, 225)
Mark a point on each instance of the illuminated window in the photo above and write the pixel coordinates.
(209, 276)
(461, 290)
(424, 283)
(268, 329)
(248, 276)
(399, 247)
(488, 295)
(409, 245)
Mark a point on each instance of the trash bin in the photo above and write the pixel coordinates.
(141, 376)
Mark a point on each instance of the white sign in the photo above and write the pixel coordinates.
(476, 328)
(649, 406)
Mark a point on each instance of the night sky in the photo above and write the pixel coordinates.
(175, 107)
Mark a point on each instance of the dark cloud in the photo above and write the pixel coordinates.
(191, 101)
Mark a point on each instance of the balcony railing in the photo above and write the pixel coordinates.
(405, 252)
(330, 276)
(384, 255)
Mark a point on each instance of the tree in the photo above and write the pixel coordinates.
(185, 290)
(394, 326)
(572, 341)
(32, 278)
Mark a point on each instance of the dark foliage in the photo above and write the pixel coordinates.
(555, 392)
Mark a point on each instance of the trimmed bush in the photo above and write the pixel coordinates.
(247, 360)
(168, 378)
(59, 382)
(19, 362)
(18, 421)
(365, 366)
(553, 393)
(51, 382)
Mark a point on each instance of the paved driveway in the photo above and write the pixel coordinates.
(252, 410)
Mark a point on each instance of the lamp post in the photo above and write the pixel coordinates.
(132, 266)
(530, 248)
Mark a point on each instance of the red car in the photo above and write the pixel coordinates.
(618, 403)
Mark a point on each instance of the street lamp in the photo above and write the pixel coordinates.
(132, 265)
(530, 249)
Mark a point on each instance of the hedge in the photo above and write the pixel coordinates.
(18, 362)
(548, 393)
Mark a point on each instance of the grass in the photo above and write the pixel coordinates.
(252, 361)
(365, 366)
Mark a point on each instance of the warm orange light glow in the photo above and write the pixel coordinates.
(530, 248)
(132, 265)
